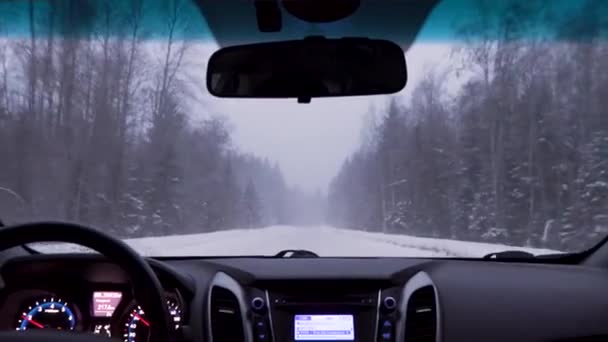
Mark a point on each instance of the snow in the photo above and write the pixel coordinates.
(323, 240)
(598, 184)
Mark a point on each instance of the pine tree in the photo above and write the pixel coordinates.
(251, 207)
(593, 189)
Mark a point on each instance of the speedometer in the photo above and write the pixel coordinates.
(47, 313)
(137, 327)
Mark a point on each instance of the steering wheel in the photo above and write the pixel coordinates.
(146, 287)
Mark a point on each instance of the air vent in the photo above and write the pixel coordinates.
(421, 317)
(226, 322)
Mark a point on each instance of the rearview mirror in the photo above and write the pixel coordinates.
(303, 69)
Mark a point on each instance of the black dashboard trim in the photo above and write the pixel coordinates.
(476, 299)
(378, 312)
(272, 335)
(164, 270)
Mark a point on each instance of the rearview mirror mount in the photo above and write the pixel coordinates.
(308, 68)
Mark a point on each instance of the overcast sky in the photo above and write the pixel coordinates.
(311, 141)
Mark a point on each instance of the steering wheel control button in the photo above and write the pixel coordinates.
(390, 303)
(258, 304)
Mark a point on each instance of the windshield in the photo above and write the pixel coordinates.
(498, 142)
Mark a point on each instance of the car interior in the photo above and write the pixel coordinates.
(295, 295)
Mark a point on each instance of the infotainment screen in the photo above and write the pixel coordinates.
(324, 328)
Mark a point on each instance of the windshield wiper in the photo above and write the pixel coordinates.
(509, 255)
(296, 253)
(515, 255)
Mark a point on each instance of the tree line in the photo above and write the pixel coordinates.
(519, 155)
(95, 127)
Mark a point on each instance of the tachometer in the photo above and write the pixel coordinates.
(47, 313)
(137, 327)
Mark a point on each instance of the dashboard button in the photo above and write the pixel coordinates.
(258, 304)
(386, 331)
(390, 303)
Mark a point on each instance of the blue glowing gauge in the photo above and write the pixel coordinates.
(47, 313)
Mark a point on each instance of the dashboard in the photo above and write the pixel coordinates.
(81, 295)
(314, 299)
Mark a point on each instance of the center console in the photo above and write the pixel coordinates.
(324, 311)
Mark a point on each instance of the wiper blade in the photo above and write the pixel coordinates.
(296, 253)
(509, 255)
(514, 255)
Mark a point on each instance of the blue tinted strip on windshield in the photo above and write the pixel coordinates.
(155, 19)
(234, 20)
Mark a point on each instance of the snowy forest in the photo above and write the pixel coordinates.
(102, 131)
(97, 130)
(518, 155)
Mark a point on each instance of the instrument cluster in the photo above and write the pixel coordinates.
(108, 312)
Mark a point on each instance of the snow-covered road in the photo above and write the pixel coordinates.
(324, 240)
